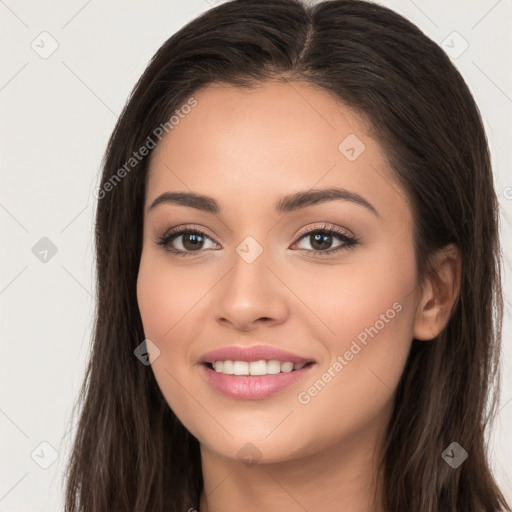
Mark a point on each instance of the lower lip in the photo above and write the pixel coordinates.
(253, 387)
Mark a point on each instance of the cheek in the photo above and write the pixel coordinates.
(166, 303)
(166, 307)
(354, 300)
(166, 296)
(154, 303)
(365, 308)
(355, 388)
(369, 312)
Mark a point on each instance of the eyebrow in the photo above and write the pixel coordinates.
(286, 204)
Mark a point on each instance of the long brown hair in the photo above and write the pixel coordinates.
(130, 452)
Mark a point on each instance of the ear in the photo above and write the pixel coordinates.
(439, 294)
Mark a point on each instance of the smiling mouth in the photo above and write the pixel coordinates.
(255, 368)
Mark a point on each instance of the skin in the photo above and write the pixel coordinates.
(248, 149)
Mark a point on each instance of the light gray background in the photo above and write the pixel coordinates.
(56, 116)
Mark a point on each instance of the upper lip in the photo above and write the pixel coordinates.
(254, 353)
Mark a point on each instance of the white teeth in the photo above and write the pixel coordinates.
(227, 367)
(273, 367)
(257, 368)
(240, 368)
(261, 367)
(286, 367)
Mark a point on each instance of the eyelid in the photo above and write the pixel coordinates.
(178, 231)
(303, 231)
(350, 240)
(324, 226)
(186, 228)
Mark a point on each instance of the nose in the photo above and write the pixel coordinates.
(251, 294)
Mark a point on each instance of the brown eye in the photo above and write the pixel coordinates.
(184, 242)
(321, 240)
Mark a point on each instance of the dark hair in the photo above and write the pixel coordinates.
(131, 453)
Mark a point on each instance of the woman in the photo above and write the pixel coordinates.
(299, 291)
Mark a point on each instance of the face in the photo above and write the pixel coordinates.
(264, 270)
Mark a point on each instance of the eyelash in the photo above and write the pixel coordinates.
(349, 241)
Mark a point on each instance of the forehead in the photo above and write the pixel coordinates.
(240, 145)
(231, 121)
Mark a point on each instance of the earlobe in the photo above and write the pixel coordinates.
(439, 294)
